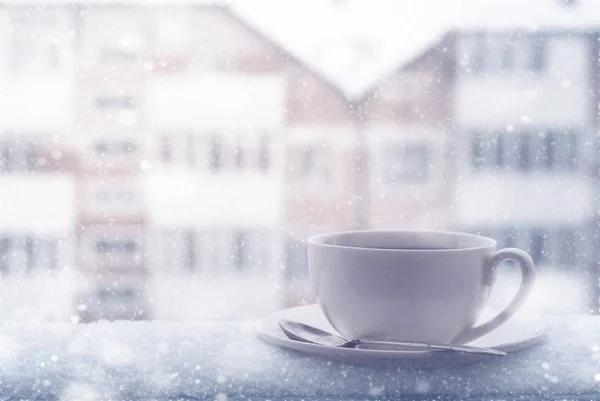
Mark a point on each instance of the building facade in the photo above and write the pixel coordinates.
(204, 140)
(526, 119)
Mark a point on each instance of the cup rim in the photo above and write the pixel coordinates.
(319, 240)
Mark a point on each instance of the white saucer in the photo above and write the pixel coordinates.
(518, 333)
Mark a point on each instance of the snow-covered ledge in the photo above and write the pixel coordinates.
(150, 360)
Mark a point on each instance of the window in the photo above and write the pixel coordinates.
(567, 247)
(53, 255)
(4, 255)
(550, 149)
(106, 148)
(250, 250)
(524, 151)
(30, 253)
(107, 246)
(263, 153)
(500, 151)
(209, 251)
(487, 151)
(313, 165)
(239, 156)
(30, 157)
(191, 150)
(556, 246)
(406, 163)
(5, 157)
(240, 250)
(476, 151)
(166, 150)
(214, 153)
(115, 102)
(115, 195)
(571, 150)
(478, 53)
(296, 259)
(19, 155)
(537, 53)
(531, 150)
(116, 295)
(191, 257)
(538, 245)
(506, 53)
(113, 56)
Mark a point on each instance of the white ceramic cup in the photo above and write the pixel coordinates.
(425, 286)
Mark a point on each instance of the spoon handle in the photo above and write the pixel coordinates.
(427, 347)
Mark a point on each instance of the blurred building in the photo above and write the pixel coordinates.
(36, 161)
(524, 105)
(110, 127)
(174, 138)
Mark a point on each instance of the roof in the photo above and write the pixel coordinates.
(354, 44)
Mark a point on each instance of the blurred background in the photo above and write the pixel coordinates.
(168, 159)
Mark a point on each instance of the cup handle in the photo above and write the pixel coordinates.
(527, 280)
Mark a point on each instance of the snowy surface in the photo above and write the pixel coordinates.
(44, 356)
(224, 360)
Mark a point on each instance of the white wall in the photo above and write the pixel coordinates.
(36, 103)
(493, 199)
(207, 200)
(37, 90)
(216, 102)
(41, 204)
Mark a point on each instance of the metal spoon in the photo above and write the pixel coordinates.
(303, 332)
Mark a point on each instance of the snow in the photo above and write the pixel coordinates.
(537, 14)
(352, 45)
(356, 44)
(209, 360)
(40, 203)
